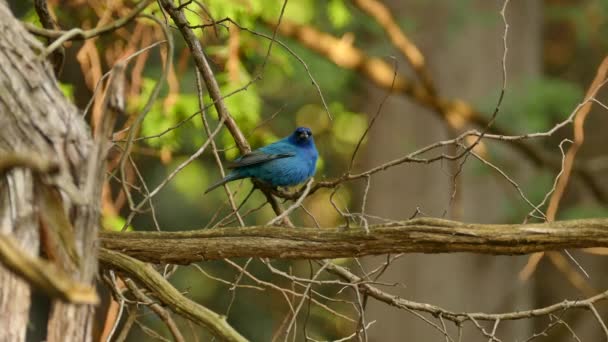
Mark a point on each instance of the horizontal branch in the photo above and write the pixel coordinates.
(424, 235)
(437, 311)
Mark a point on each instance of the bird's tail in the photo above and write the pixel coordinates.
(229, 178)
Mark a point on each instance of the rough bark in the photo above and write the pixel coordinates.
(37, 121)
(416, 236)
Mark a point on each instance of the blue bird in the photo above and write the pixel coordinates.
(289, 161)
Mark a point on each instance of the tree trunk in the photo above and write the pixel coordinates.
(40, 125)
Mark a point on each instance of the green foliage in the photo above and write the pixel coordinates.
(31, 17)
(588, 18)
(114, 222)
(246, 12)
(584, 211)
(338, 13)
(244, 104)
(67, 90)
(191, 180)
(243, 12)
(348, 127)
(537, 104)
(301, 11)
(162, 119)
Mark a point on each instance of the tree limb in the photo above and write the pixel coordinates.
(44, 275)
(169, 295)
(426, 235)
(403, 303)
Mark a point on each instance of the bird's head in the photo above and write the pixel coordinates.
(302, 136)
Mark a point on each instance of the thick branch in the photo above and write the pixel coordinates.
(426, 235)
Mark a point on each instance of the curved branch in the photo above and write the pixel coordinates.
(403, 303)
(579, 137)
(79, 34)
(426, 235)
(44, 275)
(169, 295)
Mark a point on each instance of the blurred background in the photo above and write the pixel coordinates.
(554, 49)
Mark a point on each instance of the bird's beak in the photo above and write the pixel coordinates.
(303, 135)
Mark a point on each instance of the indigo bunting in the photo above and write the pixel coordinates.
(289, 161)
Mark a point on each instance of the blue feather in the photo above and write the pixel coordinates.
(289, 161)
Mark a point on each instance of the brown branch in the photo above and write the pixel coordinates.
(568, 164)
(159, 310)
(205, 69)
(147, 276)
(409, 50)
(460, 316)
(426, 235)
(579, 138)
(57, 57)
(79, 34)
(32, 161)
(44, 275)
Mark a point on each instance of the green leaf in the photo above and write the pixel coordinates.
(348, 126)
(537, 104)
(338, 13)
(114, 223)
(67, 90)
(584, 211)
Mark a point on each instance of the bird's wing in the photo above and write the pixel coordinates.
(257, 157)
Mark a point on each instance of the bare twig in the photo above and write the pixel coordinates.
(160, 312)
(170, 296)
